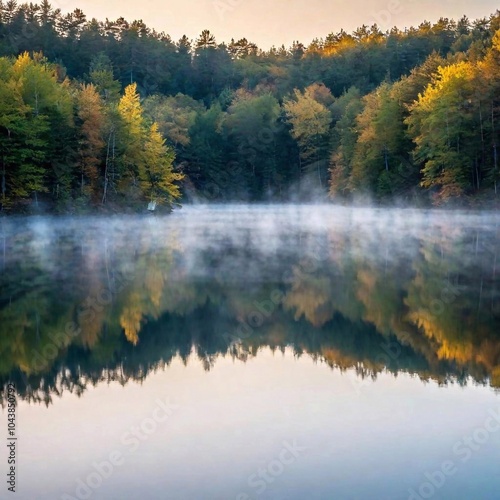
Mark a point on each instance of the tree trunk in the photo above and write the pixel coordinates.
(495, 169)
(4, 183)
(495, 154)
(4, 176)
(106, 171)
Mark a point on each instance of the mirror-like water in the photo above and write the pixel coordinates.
(254, 352)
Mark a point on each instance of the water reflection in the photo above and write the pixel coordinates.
(85, 300)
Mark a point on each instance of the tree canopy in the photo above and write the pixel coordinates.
(403, 114)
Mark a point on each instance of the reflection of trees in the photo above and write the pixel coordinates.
(160, 300)
(310, 297)
(453, 300)
(339, 343)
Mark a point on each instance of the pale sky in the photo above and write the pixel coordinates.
(276, 22)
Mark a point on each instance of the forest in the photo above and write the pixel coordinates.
(112, 115)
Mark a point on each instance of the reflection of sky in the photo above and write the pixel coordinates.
(370, 440)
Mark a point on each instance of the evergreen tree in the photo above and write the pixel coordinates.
(158, 180)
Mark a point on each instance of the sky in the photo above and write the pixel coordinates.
(276, 22)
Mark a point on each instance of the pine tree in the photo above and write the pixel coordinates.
(158, 180)
(131, 139)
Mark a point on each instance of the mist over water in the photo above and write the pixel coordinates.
(412, 273)
(360, 333)
(265, 229)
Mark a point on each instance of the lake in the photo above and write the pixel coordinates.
(253, 352)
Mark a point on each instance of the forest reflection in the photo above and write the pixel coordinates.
(87, 300)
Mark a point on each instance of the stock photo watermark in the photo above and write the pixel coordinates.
(11, 438)
(260, 481)
(130, 441)
(462, 451)
(223, 7)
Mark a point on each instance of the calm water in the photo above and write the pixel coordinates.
(244, 353)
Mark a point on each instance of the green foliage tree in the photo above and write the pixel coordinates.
(251, 127)
(381, 143)
(344, 138)
(442, 123)
(310, 120)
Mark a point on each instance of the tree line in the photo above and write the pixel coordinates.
(117, 114)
